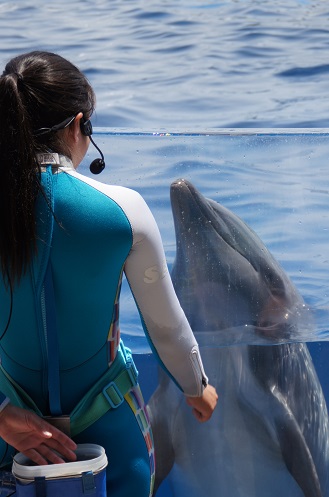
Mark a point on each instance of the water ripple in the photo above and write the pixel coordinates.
(305, 72)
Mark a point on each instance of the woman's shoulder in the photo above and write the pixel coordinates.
(128, 199)
(106, 188)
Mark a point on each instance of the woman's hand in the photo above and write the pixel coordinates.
(204, 406)
(34, 437)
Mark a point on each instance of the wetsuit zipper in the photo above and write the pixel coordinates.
(44, 328)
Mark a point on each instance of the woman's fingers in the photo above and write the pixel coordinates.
(34, 437)
(63, 451)
(35, 456)
(49, 455)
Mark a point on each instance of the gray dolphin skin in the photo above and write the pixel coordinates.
(268, 437)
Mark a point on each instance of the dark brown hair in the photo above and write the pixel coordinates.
(37, 90)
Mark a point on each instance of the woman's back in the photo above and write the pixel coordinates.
(91, 239)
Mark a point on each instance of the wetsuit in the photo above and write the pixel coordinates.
(99, 231)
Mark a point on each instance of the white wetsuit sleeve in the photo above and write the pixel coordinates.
(164, 321)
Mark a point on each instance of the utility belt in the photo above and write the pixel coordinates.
(106, 394)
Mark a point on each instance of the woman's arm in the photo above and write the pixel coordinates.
(164, 321)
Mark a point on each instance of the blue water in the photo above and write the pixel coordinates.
(172, 78)
(192, 64)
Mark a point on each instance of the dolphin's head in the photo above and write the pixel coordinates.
(223, 274)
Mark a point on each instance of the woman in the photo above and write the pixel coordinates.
(65, 241)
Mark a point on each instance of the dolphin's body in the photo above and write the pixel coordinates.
(268, 436)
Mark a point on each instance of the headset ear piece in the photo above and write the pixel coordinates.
(86, 127)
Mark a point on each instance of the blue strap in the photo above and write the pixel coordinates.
(40, 486)
(52, 342)
(88, 483)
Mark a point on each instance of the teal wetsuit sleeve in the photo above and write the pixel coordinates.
(164, 321)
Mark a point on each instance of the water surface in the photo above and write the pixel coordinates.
(191, 64)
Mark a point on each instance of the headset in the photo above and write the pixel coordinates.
(97, 165)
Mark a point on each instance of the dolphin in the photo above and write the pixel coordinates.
(269, 434)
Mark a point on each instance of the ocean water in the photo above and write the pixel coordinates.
(192, 64)
(231, 95)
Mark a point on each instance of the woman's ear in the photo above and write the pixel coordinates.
(75, 127)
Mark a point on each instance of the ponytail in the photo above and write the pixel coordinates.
(37, 90)
(19, 183)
